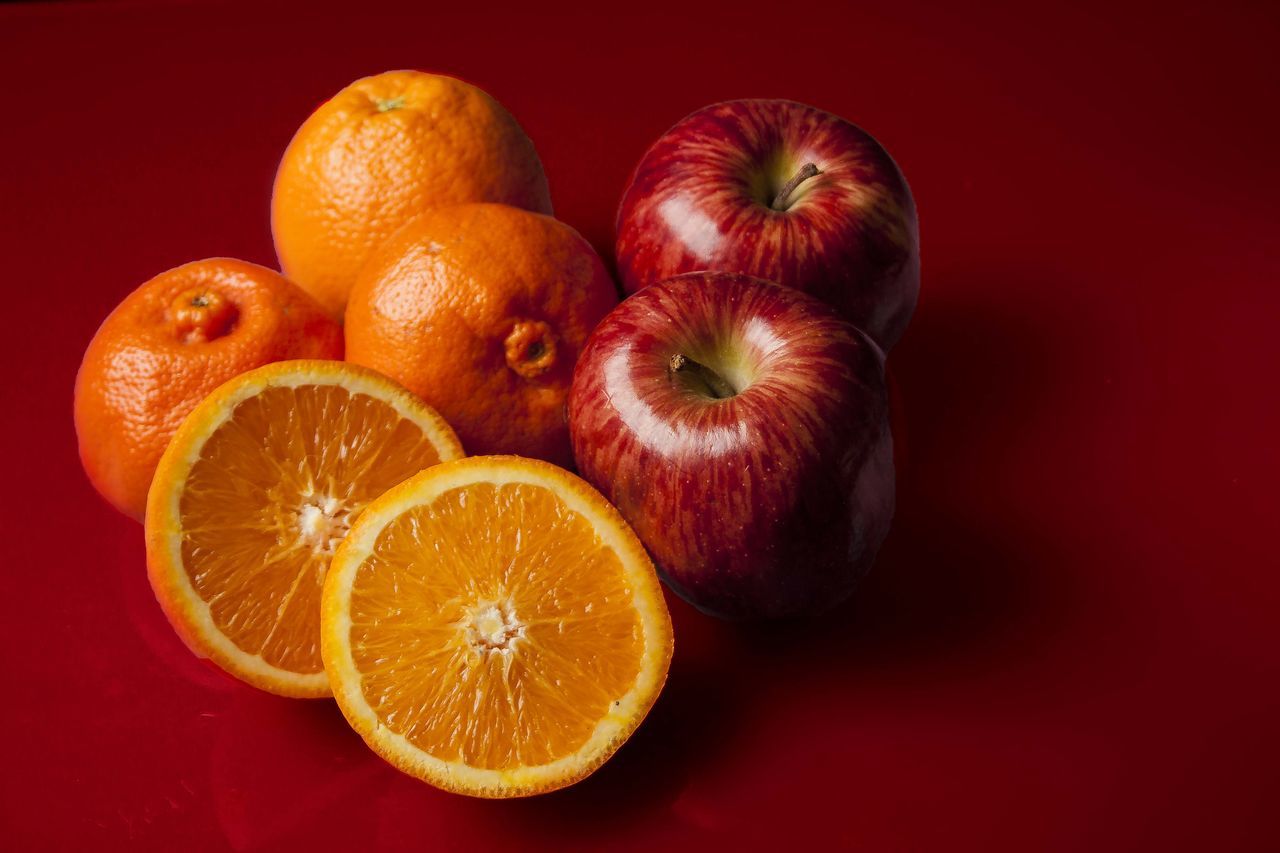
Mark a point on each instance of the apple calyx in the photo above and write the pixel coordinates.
(807, 171)
(700, 378)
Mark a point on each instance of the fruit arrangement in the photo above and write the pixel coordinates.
(494, 624)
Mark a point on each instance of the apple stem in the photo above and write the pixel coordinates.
(807, 171)
(714, 384)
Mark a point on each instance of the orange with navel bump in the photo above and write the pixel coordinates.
(482, 310)
(166, 346)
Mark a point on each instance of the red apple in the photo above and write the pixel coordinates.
(782, 191)
(742, 429)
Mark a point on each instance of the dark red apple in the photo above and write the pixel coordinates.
(782, 191)
(742, 429)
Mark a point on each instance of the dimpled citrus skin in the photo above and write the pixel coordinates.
(166, 346)
(380, 151)
(482, 310)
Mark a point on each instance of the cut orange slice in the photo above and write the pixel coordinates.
(252, 496)
(493, 627)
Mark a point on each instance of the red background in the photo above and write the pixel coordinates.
(1069, 639)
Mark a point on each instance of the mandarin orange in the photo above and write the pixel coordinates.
(481, 310)
(380, 151)
(166, 346)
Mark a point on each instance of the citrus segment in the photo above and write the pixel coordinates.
(493, 627)
(254, 494)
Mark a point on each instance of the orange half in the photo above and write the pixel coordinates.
(493, 627)
(252, 497)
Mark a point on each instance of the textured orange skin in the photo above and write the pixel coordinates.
(354, 173)
(143, 373)
(450, 305)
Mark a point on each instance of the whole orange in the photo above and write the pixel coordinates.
(166, 346)
(482, 310)
(381, 151)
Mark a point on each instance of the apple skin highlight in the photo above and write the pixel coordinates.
(766, 501)
(702, 198)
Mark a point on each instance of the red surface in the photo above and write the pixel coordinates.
(1069, 640)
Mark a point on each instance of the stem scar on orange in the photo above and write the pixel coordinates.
(382, 150)
(482, 310)
(166, 346)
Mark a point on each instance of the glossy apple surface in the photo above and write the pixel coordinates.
(712, 194)
(742, 429)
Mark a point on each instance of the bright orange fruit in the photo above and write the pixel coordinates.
(482, 310)
(380, 151)
(166, 346)
(254, 493)
(493, 627)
